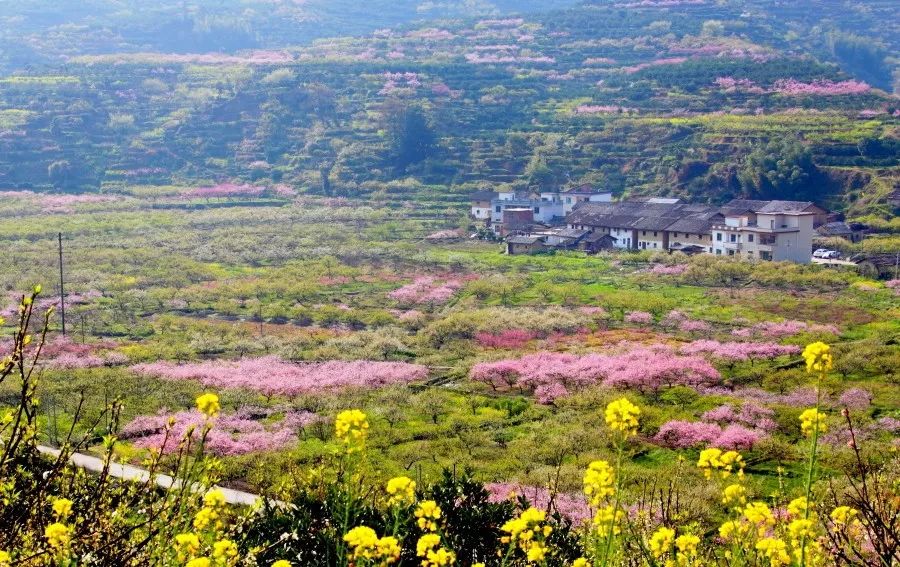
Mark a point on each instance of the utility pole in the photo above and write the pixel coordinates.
(62, 292)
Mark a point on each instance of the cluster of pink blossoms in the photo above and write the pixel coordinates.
(236, 433)
(784, 329)
(572, 506)
(735, 351)
(678, 434)
(426, 290)
(273, 376)
(553, 375)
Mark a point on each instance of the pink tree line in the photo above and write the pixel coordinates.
(569, 505)
(231, 434)
(426, 290)
(273, 376)
(552, 375)
(784, 329)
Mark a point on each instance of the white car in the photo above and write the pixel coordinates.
(820, 253)
(831, 255)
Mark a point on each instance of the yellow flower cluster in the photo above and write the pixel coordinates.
(734, 494)
(774, 550)
(609, 520)
(5, 559)
(62, 508)
(622, 415)
(843, 515)
(818, 357)
(428, 513)
(726, 462)
(282, 563)
(433, 555)
(527, 533)
(402, 491)
(208, 404)
(687, 546)
(58, 535)
(811, 420)
(599, 481)
(225, 552)
(211, 513)
(186, 545)
(351, 427)
(365, 545)
(661, 542)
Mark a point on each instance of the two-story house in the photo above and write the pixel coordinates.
(767, 230)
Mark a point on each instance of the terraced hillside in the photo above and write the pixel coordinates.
(697, 99)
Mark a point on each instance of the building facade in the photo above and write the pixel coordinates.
(765, 230)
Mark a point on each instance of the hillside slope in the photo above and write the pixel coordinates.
(703, 100)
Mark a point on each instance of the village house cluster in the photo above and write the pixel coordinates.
(589, 220)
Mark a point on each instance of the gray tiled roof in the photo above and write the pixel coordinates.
(769, 207)
(687, 218)
(523, 239)
(483, 196)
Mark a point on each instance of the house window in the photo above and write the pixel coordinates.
(643, 233)
(568, 200)
(719, 236)
(497, 208)
(749, 238)
(731, 252)
(654, 233)
(718, 252)
(654, 245)
(537, 210)
(734, 238)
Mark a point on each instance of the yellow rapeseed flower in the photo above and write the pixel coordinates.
(800, 529)
(62, 507)
(388, 549)
(733, 528)
(622, 415)
(282, 563)
(204, 518)
(186, 544)
(536, 552)
(214, 498)
(199, 562)
(818, 357)
(362, 541)
(426, 543)
(58, 535)
(759, 514)
(439, 558)
(775, 551)
(661, 541)
(5, 559)
(812, 419)
(797, 507)
(225, 552)
(713, 459)
(599, 481)
(428, 512)
(402, 491)
(580, 562)
(208, 404)
(734, 494)
(351, 427)
(842, 515)
(607, 518)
